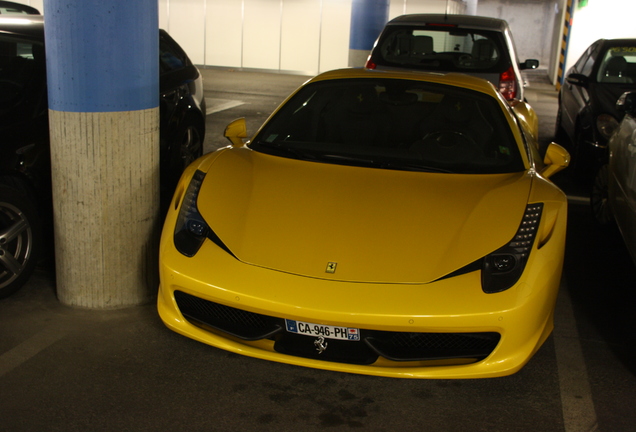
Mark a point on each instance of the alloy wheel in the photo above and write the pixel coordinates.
(16, 244)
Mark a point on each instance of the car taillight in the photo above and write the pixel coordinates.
(369, 64)
(508, 84)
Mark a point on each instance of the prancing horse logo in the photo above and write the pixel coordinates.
(320, 344)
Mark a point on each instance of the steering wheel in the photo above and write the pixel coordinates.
(465, 60)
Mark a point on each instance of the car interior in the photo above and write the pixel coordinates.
(616, 68)
(393, 121)
(449, 50)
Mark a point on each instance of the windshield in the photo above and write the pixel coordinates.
(442, 48)
(393, 124)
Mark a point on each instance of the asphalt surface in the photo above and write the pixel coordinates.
(67, 369)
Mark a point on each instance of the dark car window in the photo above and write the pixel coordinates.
(586, 69)
(449, 49)
(584, 58)
(393, 124)
(22, 75)
(171, 57)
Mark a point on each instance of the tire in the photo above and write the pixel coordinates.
(19, 239)
(599, 198)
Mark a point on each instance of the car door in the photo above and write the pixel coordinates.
(622, 186)
(574, 97)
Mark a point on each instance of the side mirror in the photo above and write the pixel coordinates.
(626, 103)
(236, 131)
(556, 159)
(577, 79)
(529, 64)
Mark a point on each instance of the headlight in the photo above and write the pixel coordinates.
(191, 229)
(503, 268)
(606, 125)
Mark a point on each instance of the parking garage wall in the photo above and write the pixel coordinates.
(310, 36)
(607, 19)
(531, 23)
(304, 36)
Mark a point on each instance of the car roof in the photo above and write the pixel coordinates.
(621, 41)
(451, 78)
(466, 21)
(25, 25)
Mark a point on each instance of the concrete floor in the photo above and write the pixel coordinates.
(67, 369)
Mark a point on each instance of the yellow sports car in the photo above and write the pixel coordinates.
(386, 223)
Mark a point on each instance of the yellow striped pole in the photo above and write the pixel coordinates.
(567, 24)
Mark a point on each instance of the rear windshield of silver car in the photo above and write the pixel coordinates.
(393, 124)
(443, 48)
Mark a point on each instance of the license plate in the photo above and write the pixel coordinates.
(326, 331)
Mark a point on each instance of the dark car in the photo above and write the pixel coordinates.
(587, 100)
(613, 196)
(474, 45)
(25, 178)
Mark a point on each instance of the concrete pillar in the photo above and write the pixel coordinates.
(103, 84)
(368, 18)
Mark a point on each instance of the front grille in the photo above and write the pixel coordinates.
(400, 346)
(396, 346)
(242, 324)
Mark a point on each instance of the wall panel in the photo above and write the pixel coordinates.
(186, 24)
(334, 34)
(261, 34)
(163, 14)
(224, 33)
(434, 6)
(300, 38)
(38, 4)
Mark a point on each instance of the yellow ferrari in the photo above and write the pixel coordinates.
(385, 223)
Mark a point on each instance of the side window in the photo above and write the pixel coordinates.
(580, 63)
(587, 67)
(22, 71)
(170, 58)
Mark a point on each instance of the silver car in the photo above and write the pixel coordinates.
(614, 191)
(474, 45)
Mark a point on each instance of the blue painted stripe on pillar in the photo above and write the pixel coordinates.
(368, 18)
(102, 56)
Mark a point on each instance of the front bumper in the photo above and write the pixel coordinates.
(521, 316)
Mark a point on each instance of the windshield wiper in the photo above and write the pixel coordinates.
(281, 150)
(413, 167)
(369, 161)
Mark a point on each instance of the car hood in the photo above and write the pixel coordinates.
(357, 224)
